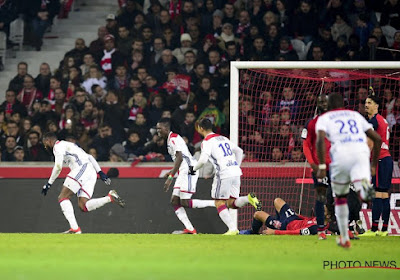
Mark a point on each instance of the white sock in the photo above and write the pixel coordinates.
(241, 201)
(342, 218)
(68, 211)
(95, 203)
(225, 216)
(199, 203)
(182, 216)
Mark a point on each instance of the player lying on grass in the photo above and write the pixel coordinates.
(286, 222)
(81, 179)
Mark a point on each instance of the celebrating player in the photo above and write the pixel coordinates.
(80, 180)
(286, 222)
(347, 131)
(321, 185)
(226, 158)
(382, 180)
(185, 184)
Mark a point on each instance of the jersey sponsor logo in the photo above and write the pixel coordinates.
(304, 133)
(232, 163)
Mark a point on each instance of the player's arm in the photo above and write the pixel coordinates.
(58, 163)
(321, 150)
(375, 149)
(170, 175)
(238, 154)
(97, 167)
(177, 163)
(204, 156)
(308, 154)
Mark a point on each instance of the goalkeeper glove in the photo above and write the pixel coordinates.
(191, 171)
(46, 188)
(105, 178)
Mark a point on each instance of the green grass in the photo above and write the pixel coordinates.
(159, 256)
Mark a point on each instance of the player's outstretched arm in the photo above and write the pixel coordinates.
(54, 173)
(375, 149)
(97, 167)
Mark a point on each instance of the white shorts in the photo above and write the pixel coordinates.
(82, 181)
(225, 188)
(349, 169)
(185, 185)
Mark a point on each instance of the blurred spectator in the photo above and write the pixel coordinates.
(112, 57)
(35, 150)
(167, 61)
(103, 142)
(136, 61)
(341, 27)
(8, 13)
(141, 127)
(133, 145)
(124, 40)
(186, 45)
(42, 81)
(111, 26)
(88, 61)
(94, 77)
(44, 114)
(128, 13)
(8, 152)
(370, 51)
(296, 155)
(289, 100)
(158, 47)
(29, 93)
(120, 80)
(114, 114)
(11, 105)
(78, 100)
(305, 23)
(96, 47)
(19, 154)
(40, 16)
(90, 117)
(155, 151)
(214, 114)
(286, 50)
(154, 110)
(78, 52)
(12, 130)
(17, 83)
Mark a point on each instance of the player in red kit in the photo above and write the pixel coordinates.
(286, 222)
(321, 185)
(383, 178)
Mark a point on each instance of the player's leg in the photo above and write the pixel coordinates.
(67, 191)
(220, 192)
(195, 203)
(342, 211)
(385, 182)
(183, 190)
(321, 186)
(180, 211)
(85, 201)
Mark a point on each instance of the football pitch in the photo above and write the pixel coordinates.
(203, 256)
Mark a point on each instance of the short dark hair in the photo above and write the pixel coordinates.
(335, 100)
(165, 122)
(47, 135)
(206, 124)
(373, 96)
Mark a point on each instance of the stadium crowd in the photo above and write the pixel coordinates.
(155, 59)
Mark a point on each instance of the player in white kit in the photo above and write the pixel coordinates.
(347, 131)
(226, 158)
(80, 180)
(185, 184)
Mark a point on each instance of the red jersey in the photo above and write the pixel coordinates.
(381, 127)
(310, 136)
(299, 227)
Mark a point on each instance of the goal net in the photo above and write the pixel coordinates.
(272, 102)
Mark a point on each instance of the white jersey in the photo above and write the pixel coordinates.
(175, 143)
(71, 154)
(345, 129)
(221, 152)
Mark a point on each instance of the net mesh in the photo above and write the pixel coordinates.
(275, 105)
